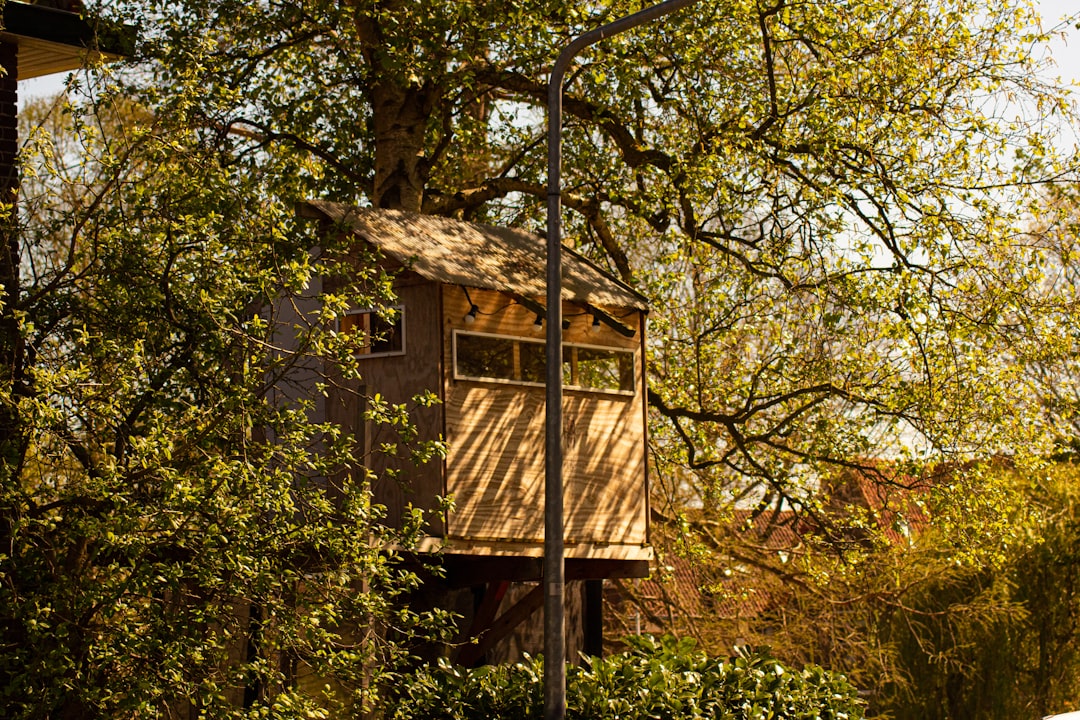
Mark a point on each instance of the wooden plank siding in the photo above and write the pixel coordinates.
(495, 466)
(397, 378)
(494, 426)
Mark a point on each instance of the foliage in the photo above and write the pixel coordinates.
(966, 661)
(823, 201)
(1051, 362)
(181, 531)
(948, 620)
(654, 678)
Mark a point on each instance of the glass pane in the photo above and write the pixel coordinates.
(533, 362)
(385, 335)
(371, 334)
(605, 369)
(485, 357)
(356, 326)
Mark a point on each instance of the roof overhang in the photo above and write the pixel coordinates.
(52, 41)
(475, 255)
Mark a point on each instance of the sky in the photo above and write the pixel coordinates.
(1065, 51)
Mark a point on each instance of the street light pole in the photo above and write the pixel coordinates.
(554, 575)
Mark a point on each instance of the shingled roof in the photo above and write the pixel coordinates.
(475, 255)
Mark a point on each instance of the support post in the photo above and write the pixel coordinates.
(12, 434)
(554, 573)
(593, 618)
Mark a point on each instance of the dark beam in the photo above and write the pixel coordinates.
(502, 627)
(49, 24)
(468, 570)
(610, 321)
(593, 618)
(595, 569)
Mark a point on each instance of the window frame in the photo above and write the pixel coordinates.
(400, 329)
(516, 363)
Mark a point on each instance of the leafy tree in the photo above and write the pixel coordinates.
(998, 640)
(181, 533)
(947, 621)
(822, 201)
(1051, 363)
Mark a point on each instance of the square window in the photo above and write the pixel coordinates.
(484, 356)
(373, 333)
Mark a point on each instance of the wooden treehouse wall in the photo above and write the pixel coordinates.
(397, 378)
(495, 466)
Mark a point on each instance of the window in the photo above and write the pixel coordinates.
(374, 334)
(485, 356)
(533, 361)
(598, 368)
(500, 358)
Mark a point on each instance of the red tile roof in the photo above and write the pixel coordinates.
(748, 580)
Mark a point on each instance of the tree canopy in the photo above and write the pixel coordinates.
(825, 203)
(829, 205)
(181, 534)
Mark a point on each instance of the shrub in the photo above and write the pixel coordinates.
(657, 678)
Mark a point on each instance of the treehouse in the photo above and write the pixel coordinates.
(468, 326)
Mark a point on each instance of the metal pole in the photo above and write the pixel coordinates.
(554, 576)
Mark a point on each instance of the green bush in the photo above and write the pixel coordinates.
(657, 678)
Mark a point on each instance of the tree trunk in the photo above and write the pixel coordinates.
(401, 109)
(400, 123)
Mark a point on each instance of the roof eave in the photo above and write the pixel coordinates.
(52, 41)
(598, 294)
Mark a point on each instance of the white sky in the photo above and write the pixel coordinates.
(1065, 51)
(42, 86)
